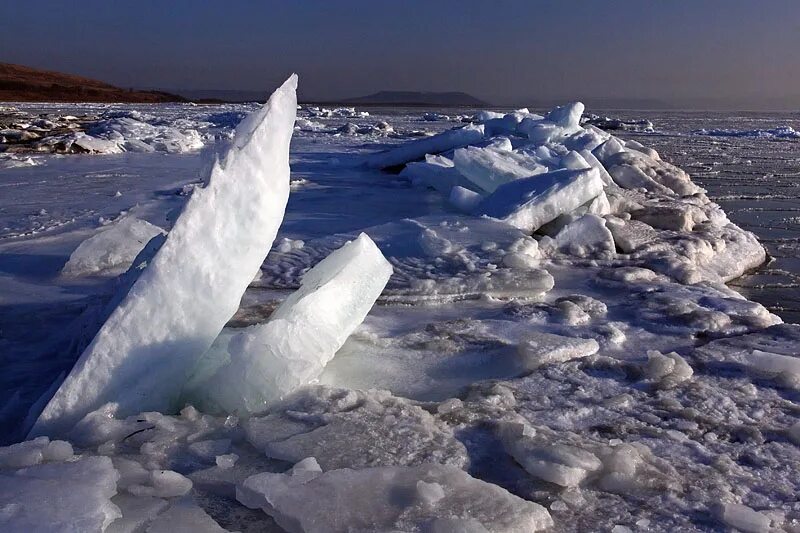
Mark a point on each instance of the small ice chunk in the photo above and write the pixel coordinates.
(227, 461)
(538, 348)
(586, 236)
(163, 484)
(667, 369)
(112, 249)
(532, 202)
(148, 346)
(415, 150)
(267, 361)
(369, 500)
(744, 518)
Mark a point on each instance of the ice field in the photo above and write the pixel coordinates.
(450, 321)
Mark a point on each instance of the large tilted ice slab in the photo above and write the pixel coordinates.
(532, 202)
(421, 498)
(436, 144)
(191, 288)
(265, 362)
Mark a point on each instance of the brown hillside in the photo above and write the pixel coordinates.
(25, 84)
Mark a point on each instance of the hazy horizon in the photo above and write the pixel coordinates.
(701, 54)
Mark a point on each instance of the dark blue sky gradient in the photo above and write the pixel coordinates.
(502, 51)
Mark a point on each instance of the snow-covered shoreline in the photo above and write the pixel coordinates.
(599, 374)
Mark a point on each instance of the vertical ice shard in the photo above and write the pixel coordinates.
(263, 363)
(144, 352)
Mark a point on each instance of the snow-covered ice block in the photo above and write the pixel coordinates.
(488, 168)
(539, 348)
(532, 202)
(562, 464)
(427, 497)
(629, 235)
(586, 236)
(415, 150)
(72, 496)
(148, 346)
(113, 249)
(265, 362)
(667, 370)
(632, 169)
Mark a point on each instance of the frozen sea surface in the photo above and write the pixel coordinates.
(619, 399)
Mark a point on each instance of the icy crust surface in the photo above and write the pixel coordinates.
(193, 285)
(593, 373)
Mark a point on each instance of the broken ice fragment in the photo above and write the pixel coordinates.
(150, 343)
(539, 348)
(529, 203)
(112, 249)
(265, 362)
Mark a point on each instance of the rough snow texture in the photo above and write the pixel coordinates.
(193, 285)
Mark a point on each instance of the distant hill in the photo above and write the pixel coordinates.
(26, 84)
(413, 98)
(223, 95)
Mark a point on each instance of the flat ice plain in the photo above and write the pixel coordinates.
(598, 376)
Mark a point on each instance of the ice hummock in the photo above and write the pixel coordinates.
(263, 363)
(191, 288)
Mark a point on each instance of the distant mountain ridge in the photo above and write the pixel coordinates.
(19, 83)
(414, 98)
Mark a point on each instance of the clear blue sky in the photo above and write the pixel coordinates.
(501, 51)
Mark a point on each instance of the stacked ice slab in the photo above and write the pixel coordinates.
(584, 191)
(192, 285)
